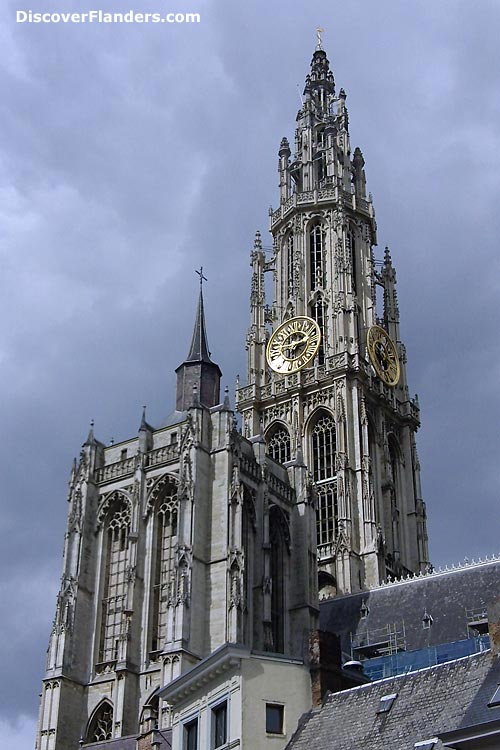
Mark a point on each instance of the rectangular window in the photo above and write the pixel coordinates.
(191, 735)
(219, 725)
(274, 718)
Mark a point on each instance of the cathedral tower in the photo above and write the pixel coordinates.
(348, 411)
(182, 541)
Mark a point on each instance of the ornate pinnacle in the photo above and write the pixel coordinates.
(257, 242)
(284, 149)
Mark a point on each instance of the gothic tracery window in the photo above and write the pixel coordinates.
(278, 445)
(166, 541)
(288, 266)
(316, 256)
(318, 314)
(317, 282)
(101, 724)
(323, 446)
(394, 510)
(351, 251)
(115, 578)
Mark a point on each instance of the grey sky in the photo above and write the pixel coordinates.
(131, 155)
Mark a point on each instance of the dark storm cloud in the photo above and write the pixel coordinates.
(132, 155)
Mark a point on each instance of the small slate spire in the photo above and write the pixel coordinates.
(144, 425)
(199, 351)
(145, 434)
(90, 437)
(198, 369)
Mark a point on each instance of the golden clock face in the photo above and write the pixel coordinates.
(293, 345)
(383, 355)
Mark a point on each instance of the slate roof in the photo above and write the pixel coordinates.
(444, 595)
(199, 351)
(429, 702)
(130, 743)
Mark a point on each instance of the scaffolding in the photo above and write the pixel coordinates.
(391, 639)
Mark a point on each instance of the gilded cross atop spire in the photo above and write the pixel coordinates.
(319, 31)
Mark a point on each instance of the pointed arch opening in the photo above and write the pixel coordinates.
(249, 524)
(287, 266)
(318, 313)
(316, 255)
(278, 443)
(278, 540)
(117, 525)
(323, 446)
(351, 256)
(100, 726)
(149, 718)
(327, 585)
(164, 545)
(393, 502)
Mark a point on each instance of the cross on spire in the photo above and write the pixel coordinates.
(202, 278)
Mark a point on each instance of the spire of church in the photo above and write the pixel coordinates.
(199, 351)
(198, 373)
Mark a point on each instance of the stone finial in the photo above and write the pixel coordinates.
(257, 241)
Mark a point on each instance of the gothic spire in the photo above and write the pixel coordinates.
(199, 351)
(198, 374)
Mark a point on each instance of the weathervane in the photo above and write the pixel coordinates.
(319, 31)
(200, 274)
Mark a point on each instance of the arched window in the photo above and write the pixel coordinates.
(277, 539)
(164, 570)
(248, 539)
(394, 510)
(115, 578)
(323, 447)
(101, 724)
(278, 445)
(320, 155)
(327, 513)
(289, 259)
(318, 314)
(351, 250)
(316, 256)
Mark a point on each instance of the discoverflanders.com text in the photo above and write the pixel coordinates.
(100, 16)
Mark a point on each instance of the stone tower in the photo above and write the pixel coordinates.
(352, 426)
(184, 540)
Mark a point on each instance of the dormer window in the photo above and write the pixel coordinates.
(427, 621)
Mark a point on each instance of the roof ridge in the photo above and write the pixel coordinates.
(435, 573)
(412, 673)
